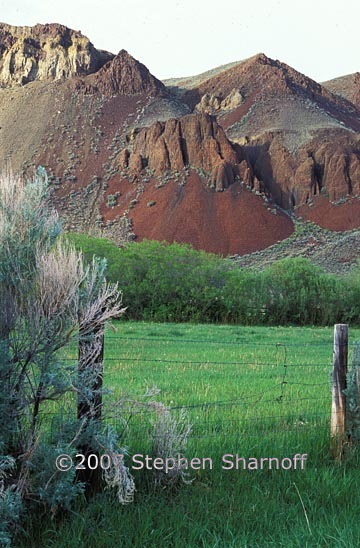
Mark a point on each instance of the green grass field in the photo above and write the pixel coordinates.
(256, 392)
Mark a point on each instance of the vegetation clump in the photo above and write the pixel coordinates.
(174, 282)
(111, 200)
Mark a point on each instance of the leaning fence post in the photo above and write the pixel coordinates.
(338, 405)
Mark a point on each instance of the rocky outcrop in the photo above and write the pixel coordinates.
(212, 104)
(231, 101)
(209, 104)
(46, 53)
(339, 169)
(330, 167)
(196, 141)
(123, 75)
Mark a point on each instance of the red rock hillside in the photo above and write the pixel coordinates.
(183, 180)
(209, 160)
(301, 139)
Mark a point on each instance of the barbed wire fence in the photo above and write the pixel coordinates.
(260, 399)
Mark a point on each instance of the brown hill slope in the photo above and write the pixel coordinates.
(346, 86)
(335, 252)
(169, 174)
(233, 221)
(75, 126)
(257, 86)
(86, 130)
(180, 180)
(122, 75)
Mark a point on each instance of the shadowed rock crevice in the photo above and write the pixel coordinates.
(326, 167)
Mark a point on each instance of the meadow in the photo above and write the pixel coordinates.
(258, 392)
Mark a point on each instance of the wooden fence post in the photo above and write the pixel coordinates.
(338, 405)
(90, 359)
(90, 369)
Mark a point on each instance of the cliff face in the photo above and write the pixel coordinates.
(45, 53)
(326, 167)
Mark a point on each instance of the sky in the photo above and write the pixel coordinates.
(185, 37)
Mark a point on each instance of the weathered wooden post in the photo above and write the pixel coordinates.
(90, 364)
(89, 404)
(99, 303)
(338, 405)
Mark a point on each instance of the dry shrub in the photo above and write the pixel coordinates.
(169, 441)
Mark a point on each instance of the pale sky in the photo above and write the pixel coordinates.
(184, 37)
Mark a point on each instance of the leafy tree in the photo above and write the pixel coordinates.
(301, 293)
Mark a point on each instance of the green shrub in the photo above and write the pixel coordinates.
(301, 293)
(111, 200)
